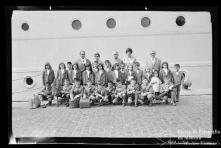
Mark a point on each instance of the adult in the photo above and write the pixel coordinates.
(117, 59)
(129, 59)
(48, 75)
(97, 60)
(153, 63)
(165, 73)
(82, 61)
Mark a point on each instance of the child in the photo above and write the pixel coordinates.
(76, 73)
(87, 75)
(62, 74)
(139, 73)
(76, 91)
(146, 91)
(89, 90)
(99, 94)
(109, 93)
(101, 76)
(48, 74)
(148, 74)
(178, 79)
(155, 83)
(165, 72)
(95, 68)
(130, 73)
(120, 93)
(70, 72)
(132, 92)
(110, 74)
(123, 73)
(117, 75)
(65, 92)
(46, 94)
(168, 86)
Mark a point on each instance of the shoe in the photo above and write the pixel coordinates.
(44, 106)
(135, 105)
(67, 105)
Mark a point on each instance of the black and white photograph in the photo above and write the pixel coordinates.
(111, 73)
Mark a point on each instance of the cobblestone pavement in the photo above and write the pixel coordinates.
(191, 117)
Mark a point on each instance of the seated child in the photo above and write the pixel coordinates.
(178, 79)
(99, 94)
(76, 91)
(65, 92)
(168, 86)
(46, 94)
(120, 93)
(146, 91)
(109, 92)
(89, 92)
(132, 92)
(155, 82)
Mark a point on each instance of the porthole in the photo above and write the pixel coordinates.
(29, 82)
(25, 26)
(180, 20)
(145, 21)
(76, 25)
(111, 23)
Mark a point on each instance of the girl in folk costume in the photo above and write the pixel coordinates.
(101, 76)
(48, 74)
(62, 74)
(88, 75)
(76, 74)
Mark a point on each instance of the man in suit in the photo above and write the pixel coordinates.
(116, 59)
(154, 63)
(82, 61)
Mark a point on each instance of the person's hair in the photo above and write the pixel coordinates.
(137, 64)
(100, 64)
(115, 65)
(118, 80)
(107, 62)
(129, 50)
(145, 78)
(77, 80)
(133, 80)
(59, 67)
(156, 71)
(166, 64)
(82, 51)
(177, 65)
(97, 54)
(76, 66)
(49, 65)
(131, 66)
(69, 63)
(88, 65)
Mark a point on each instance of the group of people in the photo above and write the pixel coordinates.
(112, 82)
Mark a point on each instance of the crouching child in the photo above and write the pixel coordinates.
(65, 92)
(132, 92)
(46, 95)
(120, 93)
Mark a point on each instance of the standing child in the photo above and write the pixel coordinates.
(132, 92)
(89, 90)
(108, 69)
(155, 83)
(130, 73)
(88, 75)
(120, 93)
(62, 74)
(123, 73)
(139, 73)
(148, 74)
(46, 95)
(65, 93)
(101, 76)
(70, 72)
(76, 92)
(48, 74)
(76, 74)
(117, 75)
(178, 79)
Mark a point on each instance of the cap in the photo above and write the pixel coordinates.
(116, 53)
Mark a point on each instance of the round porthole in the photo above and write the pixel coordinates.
(76, 24)
(25, 26)
(111, 23)
(145, 21)
(180, 20)
(29, 81)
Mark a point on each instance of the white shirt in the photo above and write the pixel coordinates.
(100, 72)
(83, 61)
(62, 71)
(116, 73)
(153, 60)
(88, 73)
(48, 71)
(165, 70)
(74, 73)
(156, 84)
